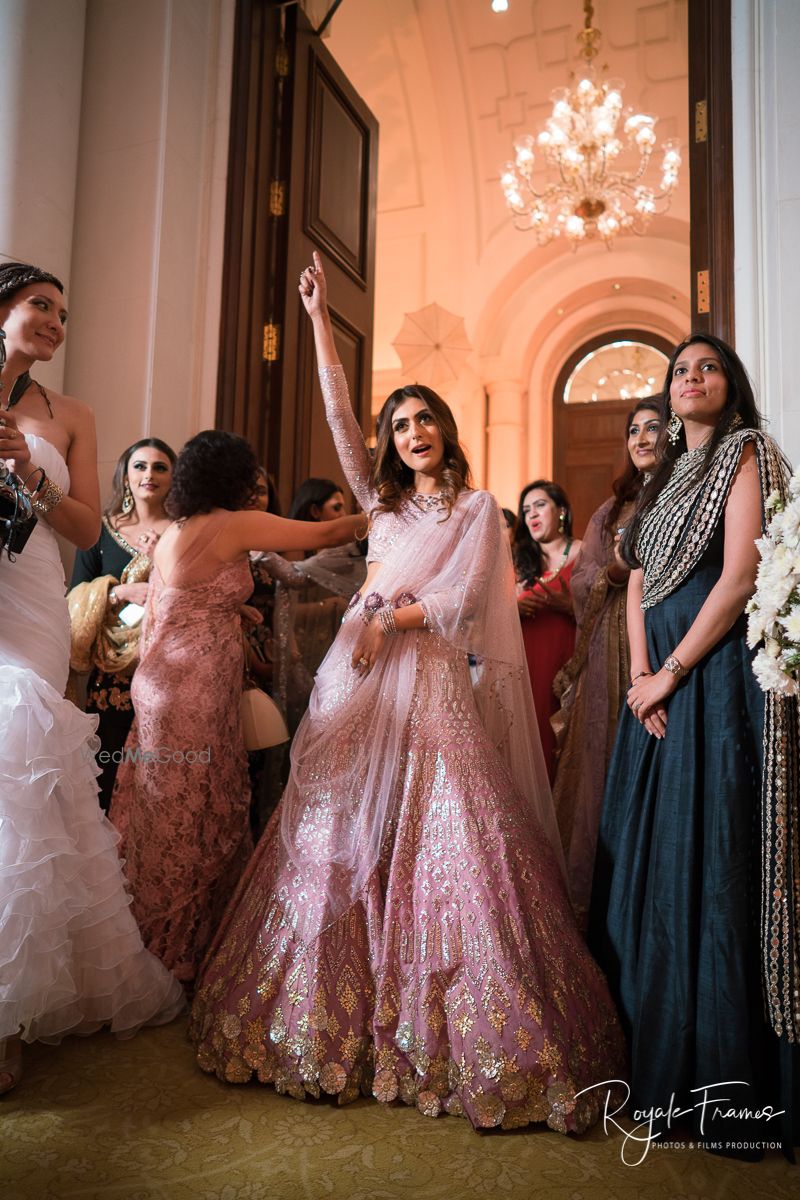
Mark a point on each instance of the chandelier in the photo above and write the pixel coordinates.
(593, 197)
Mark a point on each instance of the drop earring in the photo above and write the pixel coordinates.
(127, 499)
(562, 521)
(674, 427)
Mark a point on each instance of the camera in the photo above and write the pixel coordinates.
(17, 518)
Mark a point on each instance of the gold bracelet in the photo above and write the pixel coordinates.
(47, 496)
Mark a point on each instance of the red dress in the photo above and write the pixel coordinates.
(549, 638)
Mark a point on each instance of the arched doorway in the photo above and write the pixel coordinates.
(598, 384)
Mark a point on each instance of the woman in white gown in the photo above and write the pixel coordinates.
(71, 957)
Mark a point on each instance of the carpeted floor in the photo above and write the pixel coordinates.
(138, 1121)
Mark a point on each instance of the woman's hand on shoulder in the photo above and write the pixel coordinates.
(251, 530)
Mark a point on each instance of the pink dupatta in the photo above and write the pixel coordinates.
(348, 755)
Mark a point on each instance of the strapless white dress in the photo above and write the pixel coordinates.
(71, 956)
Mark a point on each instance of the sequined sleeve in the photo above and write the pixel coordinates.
(347, 436)
(279, 568)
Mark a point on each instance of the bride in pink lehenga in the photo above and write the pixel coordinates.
(403, 928)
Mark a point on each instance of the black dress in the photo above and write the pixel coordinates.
(675, 903)
(108, 695)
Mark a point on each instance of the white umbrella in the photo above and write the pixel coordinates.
(432, 345)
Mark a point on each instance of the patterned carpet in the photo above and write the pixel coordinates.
(137, 1121)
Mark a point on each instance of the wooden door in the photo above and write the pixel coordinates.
(711, 167)
(303, 176)
(589, 439)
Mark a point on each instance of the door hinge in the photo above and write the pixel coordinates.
(277, 198)
(703, 292)
(272, 342)
(282, 61)
(701, 121)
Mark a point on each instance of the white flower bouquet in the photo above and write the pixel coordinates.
(774, 610)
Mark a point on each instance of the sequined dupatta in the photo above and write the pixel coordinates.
(349, 755)
(673, 537)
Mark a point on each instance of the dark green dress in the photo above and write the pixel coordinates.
(675, 904)
(108, 695)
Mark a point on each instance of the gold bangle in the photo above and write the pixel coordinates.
(47, 496)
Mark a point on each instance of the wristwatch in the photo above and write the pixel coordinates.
(674, 666)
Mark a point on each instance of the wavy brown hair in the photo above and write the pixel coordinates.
(740, 403)
(391, 478)
(630, 480)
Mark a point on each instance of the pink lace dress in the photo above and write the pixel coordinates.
(403, 929)
(182, 796)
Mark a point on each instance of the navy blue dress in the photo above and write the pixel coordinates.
(675, 903)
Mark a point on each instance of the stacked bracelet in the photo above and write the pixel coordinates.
(388, 621)
(47, 496)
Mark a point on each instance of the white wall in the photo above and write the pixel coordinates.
(766, 128)
(149, 223)
(40, 104)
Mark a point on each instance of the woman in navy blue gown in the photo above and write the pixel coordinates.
(691, 914)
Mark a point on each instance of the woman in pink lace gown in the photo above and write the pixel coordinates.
(403, 928)
(182, 795)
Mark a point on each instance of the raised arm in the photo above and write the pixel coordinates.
(347, 436)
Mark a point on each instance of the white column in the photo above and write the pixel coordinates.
(149, 224)
(766, 130)
(506, 440)
(40, 107)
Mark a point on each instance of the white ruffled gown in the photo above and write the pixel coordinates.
(71, 956)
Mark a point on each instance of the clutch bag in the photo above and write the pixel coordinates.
(262, 722)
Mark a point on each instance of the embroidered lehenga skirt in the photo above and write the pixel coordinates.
(457, 981)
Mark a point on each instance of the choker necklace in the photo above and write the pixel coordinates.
(427, 500)
(549, 576)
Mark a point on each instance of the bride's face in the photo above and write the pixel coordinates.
(34, 320)
(417, 438)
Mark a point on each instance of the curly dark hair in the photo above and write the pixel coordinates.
(214, 469)
(525, 551)
(114, 506)
(740, 403)
(390, 476)
(311, 493)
